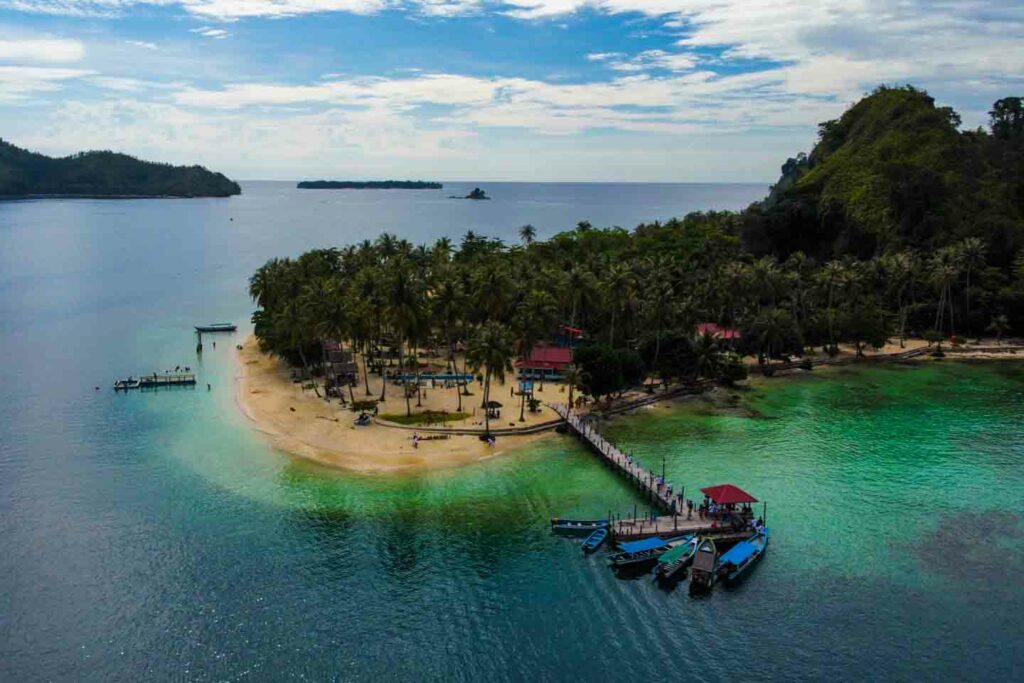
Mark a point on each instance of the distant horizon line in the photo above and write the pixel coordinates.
(511, 182)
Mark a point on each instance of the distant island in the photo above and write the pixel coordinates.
(477, 193)
(368, 185)
(103, 174)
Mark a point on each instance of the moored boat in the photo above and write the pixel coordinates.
(126, 384)
(577, 527)
(595, 539)
(702, 576)
(734, 564)
(217, 327)
(639, 553)
(672, 565)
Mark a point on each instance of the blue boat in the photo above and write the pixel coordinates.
(595, 540)
(734, 564)
(639, 553)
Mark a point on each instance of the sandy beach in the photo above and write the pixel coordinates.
(299, 423)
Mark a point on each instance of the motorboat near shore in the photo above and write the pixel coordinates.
(217, 327)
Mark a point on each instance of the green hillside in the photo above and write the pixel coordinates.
(104, 174)
(894, 171)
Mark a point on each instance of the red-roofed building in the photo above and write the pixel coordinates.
(545, 361)
(714, 330)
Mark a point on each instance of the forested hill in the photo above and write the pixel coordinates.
(895, 172)
(104, 174)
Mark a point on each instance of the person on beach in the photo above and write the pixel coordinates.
(415, 440)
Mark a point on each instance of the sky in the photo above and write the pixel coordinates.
(533, 90)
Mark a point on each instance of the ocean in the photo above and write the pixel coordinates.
(155, 535)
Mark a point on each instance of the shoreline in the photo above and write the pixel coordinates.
(302, 425)
(299, 424)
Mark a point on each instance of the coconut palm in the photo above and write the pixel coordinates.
(620, 286)
(405, 311)
(972, 256)
(491, 349)
(707, 356)
(999, 325)
(527, 234)
(573, 376)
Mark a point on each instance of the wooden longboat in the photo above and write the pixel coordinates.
(577, 527)
(640, 553)
(217, 327)
(702, 576)
(672, 565)
(594, 540)
(737, 562)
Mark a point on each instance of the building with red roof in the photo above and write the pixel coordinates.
(726, 333)
(545, 361)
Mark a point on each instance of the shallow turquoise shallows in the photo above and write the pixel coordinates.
(155, 536)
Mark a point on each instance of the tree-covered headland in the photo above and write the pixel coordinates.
(104, 174)
(897, 224)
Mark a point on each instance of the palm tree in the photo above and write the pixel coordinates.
(295, 327)
(945, 270)
(527, 234)
(405, 313)
(491, 348)
(1000, 324)
(706, 355)
(972, 256)
(831, 275)
(772, 328)
(573, 375)
(620, 286)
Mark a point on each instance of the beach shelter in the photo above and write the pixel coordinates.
(727, 494)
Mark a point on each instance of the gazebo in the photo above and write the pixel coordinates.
(727, 494)
(494, 409)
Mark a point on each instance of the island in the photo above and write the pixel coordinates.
(103, 174)
(477, 194)
(368, 185)
(898, 238)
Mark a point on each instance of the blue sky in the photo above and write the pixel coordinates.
(590, 90)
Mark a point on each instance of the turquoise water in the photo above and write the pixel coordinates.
(155, 535)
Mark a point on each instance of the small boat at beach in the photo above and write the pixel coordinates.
(672, 565)
(577, 527)
(735, 563)
(217, 327)
(639, 553)
(126, 384)
(595, 539)
(702, 576)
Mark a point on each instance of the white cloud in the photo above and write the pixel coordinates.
(19, 82)
(143, 44)
(208, 32)
(41, 51)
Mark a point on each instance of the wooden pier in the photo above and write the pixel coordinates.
(179, 379)
(644, 479)
(676, 520)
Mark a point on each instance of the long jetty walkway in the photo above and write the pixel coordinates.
(655, 490)
(677, 519)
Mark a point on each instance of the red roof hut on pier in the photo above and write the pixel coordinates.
(727, 494)
(714, 330)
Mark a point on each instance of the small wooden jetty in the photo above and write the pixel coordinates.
(177, 379)
(675, 519)
(645, 480)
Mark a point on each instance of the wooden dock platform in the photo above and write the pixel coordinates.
(180, 379)
(675, 521)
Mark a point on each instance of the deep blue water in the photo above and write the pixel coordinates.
(155, 536)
